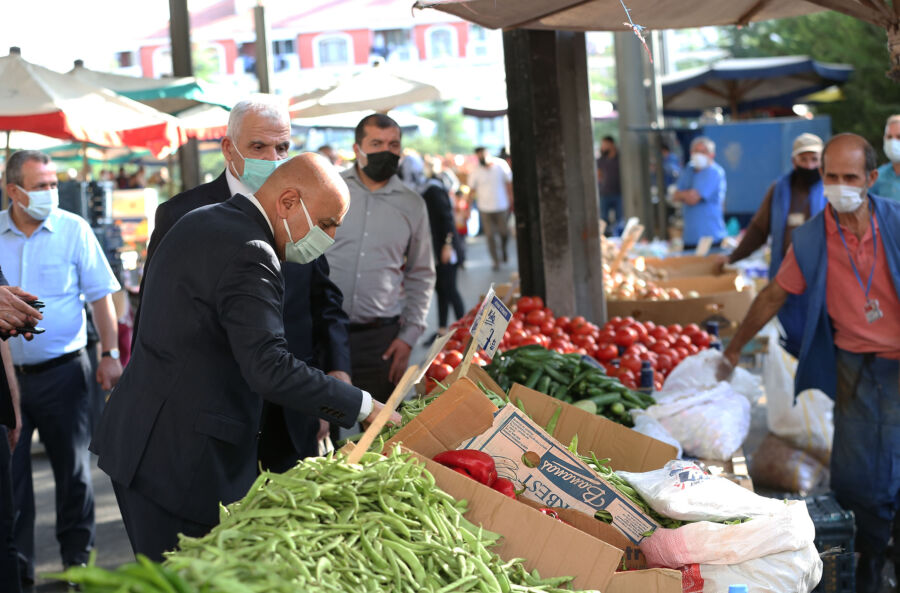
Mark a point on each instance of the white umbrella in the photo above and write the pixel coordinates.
(375, 89)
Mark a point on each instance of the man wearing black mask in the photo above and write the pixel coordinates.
(793, 199)
(382, 260)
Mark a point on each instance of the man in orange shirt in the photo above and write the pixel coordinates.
(846, 259)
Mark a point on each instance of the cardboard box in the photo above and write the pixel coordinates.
(550, 474)
(657, 580)
(627, 450)
(734, 469)
(683, 265)
(548, 545)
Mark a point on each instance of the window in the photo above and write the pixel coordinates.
(332, 50)
(395, 45)
(478, 41)
(125, 59)
(440, 43)
(282, 52)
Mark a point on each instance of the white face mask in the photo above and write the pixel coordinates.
(892, 149)
(700, 161)
(41, 203)
(844, 198)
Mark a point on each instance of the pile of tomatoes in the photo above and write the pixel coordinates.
(621, 346)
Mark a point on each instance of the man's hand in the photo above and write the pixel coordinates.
(324, 430)
(12, 434)
(108, 372)
(377, 406)
(446, 254)
(14, 311)
(341, 376)
(398, 352)
(720, 262)
(727, 364)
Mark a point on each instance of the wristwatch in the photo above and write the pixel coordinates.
(114, 354)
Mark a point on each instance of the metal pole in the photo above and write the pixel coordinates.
(182, 65)
(263, 49)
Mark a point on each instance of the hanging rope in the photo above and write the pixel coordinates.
(638, 30)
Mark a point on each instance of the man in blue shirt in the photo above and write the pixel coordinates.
(888, 184)
(54, 254)
(701, 188)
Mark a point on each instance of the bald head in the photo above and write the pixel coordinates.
(849, 159)
(311, 179)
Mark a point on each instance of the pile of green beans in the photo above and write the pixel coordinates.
(324, 525)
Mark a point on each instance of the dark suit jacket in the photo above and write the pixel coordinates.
(315, 323)
(181, 425)
(7, 414)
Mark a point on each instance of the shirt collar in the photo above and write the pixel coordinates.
(7, 224)
(831, 222)
(235, 185)
(393, 185)
(262, 211)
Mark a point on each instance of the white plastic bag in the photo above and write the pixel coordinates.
(797, 571)
(711, 423)
(681, 490)
(646, 424)
(808, 424)
(698, 373)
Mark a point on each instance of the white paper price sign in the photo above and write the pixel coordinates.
(490, 323)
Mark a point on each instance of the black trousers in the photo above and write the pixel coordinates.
(369, 371)
(447, 293)
(152, 529)
(9, 558)
(57, 402)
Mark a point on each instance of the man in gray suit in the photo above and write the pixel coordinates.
(178, 434)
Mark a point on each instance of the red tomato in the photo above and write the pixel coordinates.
(606, 351)
(439, 358)
(549, 313)
(661, 347)
(641, 331)
(559, 345)
(693, 349)
(664, 362)
(683, 352)
(516, 336)
(625, 336)
(691, 328)
(581, 351)
(535, 317)
(649, 325)
(675, 328)
(563, 322)
(454, 344)
(586, 342)
(660, 333)
(632, 363)
(532, 339)
(607, 335)
(439, 371)
(559, 333)
(453, 358)
(520, 315)
(658, 385)
(649, 342)
(576, 321)
(615, 322)
(547, 327)
(527, 304)
(627, 377)
(701, 339)
(582, 330)
(515, 324)
(683, 341)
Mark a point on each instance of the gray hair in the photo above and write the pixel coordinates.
(709, 144)
(894, 119)
(17, 160)
(264, 105)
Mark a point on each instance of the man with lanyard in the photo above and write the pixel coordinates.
(847, 260)
(55, 254)
(792, 200)
(701, 188)
(888, 184)
(382, 260)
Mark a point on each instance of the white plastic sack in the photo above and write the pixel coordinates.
(698, 373)
(647, 425)
(807, 424)
(710, 424)
(797, 571)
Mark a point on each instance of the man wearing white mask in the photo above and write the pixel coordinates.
(178, 435)
(701, 188)
(258, 140)
(53, 253)
(888, 184)
(847, 260)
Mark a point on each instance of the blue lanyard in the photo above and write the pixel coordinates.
(874, 253)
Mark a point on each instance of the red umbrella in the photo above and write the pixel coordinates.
(36, 99)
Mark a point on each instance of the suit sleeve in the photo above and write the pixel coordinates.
(330, 321)
(249, 298)
(163, 222)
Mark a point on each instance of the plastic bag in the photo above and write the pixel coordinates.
(808, 423)
(796, 571)
(650, 426)
(778, 465)
(710, 424)
(698, 373)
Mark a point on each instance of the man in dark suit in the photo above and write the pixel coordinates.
(314, 319)
(178, 434)
(14, 313)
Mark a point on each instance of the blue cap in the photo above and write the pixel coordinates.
(737, 589)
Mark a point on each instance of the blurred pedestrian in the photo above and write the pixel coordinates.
(888, 184)
(327, 151)
(609, 183)
(55, 254)
(382, 260)
(491, 182)
(701, 188)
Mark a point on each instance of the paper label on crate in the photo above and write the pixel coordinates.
(490, 323)
(558, 478)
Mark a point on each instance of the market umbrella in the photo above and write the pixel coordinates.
(373, 89)
(36, 99)
(743, 84)
(169, 95)
(612, 15)
(204, 122)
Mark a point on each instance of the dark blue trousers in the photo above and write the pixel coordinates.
(9, 569)
(865, 457)
(57, 403)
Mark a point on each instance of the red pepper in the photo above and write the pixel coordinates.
(504, 486)
(550, 513)
(478, 464)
